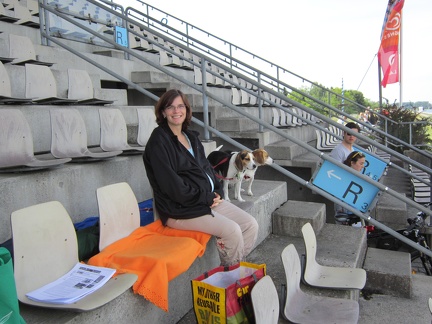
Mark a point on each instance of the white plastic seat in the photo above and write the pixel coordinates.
(275, 117)
(430, 304)
(80, 88)
(7, 15)
(146, 124)
(328, 277)
(235, 96)
(265, 301)
(301, 307)
(119, 213)
(114, 132)
(16, 144)
(22, 50)
(41, 86)
(6, 90)
(25, 16)
(46, 248)
(283, 117)
(69, 137)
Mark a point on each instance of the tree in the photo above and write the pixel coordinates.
(417, 133)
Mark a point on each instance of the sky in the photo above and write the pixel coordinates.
(331, 42)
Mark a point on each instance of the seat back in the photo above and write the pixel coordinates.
(265, 301)
(80, 85)
(5, 85)
(113, 129)
(40, 82)
(68, 133)
(310, 241)
(430, 304)
(16, 140)
(146, 124)
(45, 245)
(21, 47)
(118, 211)
(291, 263)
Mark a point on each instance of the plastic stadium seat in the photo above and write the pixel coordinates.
(265, 301)
(46, 248)
(118, 213)
(146, 124)
(114, 132)
(301, 307)
(69, 137)
(16, 145)
(328, 277)
(41, 86)
(22, 50)
(80, 88)
(6, 89)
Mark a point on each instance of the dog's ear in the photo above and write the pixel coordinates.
(259, 156)
(239, 160)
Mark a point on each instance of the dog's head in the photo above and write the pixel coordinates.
(262, 157)
(245, 160)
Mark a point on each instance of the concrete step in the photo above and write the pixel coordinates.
(132, 308)
(388, 272)
(292, 215)
(238, 124)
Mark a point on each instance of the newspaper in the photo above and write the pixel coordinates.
(82, 280)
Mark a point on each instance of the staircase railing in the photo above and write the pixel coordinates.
(245, 62)
(207, 94)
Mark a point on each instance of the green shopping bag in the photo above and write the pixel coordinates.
(9, 308)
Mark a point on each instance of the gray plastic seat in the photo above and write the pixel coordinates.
(114, 132)
(22, 50)
(16, 145)
(41, 86)
(265, 301)
(328, 277)
(46, 248)
(146, 124)
(69, 137)
(80, 88)
(6, 90)
(301, 307)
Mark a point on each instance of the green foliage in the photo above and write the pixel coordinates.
(404, 118)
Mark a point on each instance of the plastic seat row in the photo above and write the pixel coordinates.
(281, 118)
(68, 138)
(326, 141)
(145, 41)
(45, 244)
(420, 191)
(41, 88)
(299, 306)
(23, 13)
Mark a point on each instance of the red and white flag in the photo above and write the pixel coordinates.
(388, 53)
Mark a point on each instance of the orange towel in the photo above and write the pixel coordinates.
(157, 254)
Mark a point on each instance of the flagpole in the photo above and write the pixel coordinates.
(400, 60)
(379, 86)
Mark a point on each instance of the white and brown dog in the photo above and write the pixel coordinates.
(261, 157)
(232, 167)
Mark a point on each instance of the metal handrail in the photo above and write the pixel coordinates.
(210, 95)
(187, 40)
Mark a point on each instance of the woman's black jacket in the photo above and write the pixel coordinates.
(181, 187)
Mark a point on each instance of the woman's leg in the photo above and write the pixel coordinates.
(247, 223)
(236, 231)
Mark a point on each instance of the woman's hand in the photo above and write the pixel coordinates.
(216, 200)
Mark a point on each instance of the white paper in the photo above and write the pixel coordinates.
(82, 280)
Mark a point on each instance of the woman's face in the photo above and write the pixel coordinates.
(176, 112)
(359, 164)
